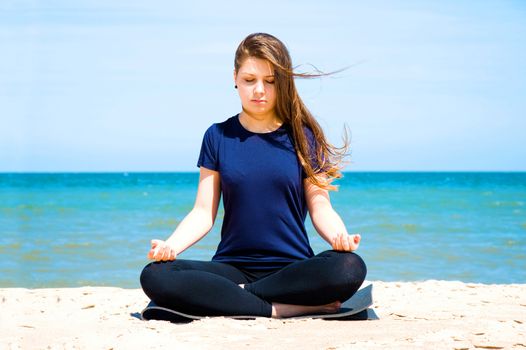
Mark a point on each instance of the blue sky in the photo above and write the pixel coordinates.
(132, 85)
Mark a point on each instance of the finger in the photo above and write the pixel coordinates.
(343, 241)
(352, 245)
(167, 253)
(356, 242)
(150, 254)
(159, 253)
(172, 254)
(163, 254)
(155, 253)
(346, 243)
(335, 243)
(340, 242)
(154, 243)
(357, 238)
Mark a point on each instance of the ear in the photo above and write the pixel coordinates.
(235, 76)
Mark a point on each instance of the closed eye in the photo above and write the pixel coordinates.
(267, 81)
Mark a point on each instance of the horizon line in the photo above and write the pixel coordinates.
(197, 171)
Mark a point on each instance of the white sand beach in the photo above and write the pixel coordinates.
(413, 315)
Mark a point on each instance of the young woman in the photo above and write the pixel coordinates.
(272, 164)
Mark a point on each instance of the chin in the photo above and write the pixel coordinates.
(256, 110)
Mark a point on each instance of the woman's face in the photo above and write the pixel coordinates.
(255, 85)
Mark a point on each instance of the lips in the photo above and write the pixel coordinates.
(259, 101)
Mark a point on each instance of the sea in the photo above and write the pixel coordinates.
(80, 229)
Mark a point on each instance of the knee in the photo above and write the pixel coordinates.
(355, 267)
(158, 277)
(147, 278)
(153, 276)
(350, 270)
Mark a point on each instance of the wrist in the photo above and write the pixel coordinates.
(171, 244)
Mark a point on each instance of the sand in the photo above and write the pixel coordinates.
(413, 315)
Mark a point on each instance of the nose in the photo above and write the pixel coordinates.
(259, 88)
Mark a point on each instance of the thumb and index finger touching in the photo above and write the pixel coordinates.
(344, 242)
(155, 243)
(161, 251)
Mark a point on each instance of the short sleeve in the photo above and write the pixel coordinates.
(208, 153)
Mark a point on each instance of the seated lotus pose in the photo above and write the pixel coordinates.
(272, 164)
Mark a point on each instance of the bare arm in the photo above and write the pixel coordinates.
(197, 223)
(326, 221)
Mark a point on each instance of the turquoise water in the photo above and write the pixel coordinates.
(67, 230)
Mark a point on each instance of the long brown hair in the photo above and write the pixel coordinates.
(322, 164)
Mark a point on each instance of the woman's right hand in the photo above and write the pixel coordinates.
(161, 251)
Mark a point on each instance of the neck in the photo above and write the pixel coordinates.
(259, 123)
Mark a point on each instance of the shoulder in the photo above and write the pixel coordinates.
(309, 135)
(308, 131)
(218, 129)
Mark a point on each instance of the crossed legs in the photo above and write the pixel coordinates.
(205, 288)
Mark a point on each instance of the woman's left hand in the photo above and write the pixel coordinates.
(345, 242)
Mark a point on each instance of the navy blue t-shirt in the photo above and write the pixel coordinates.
(263, 195)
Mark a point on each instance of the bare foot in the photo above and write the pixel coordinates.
(288, 310)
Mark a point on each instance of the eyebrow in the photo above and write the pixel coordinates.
(266, 76)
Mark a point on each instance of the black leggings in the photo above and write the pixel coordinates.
(209, 288)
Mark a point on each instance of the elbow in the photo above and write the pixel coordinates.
(319, 212)
(317, 219)
(204, 217)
